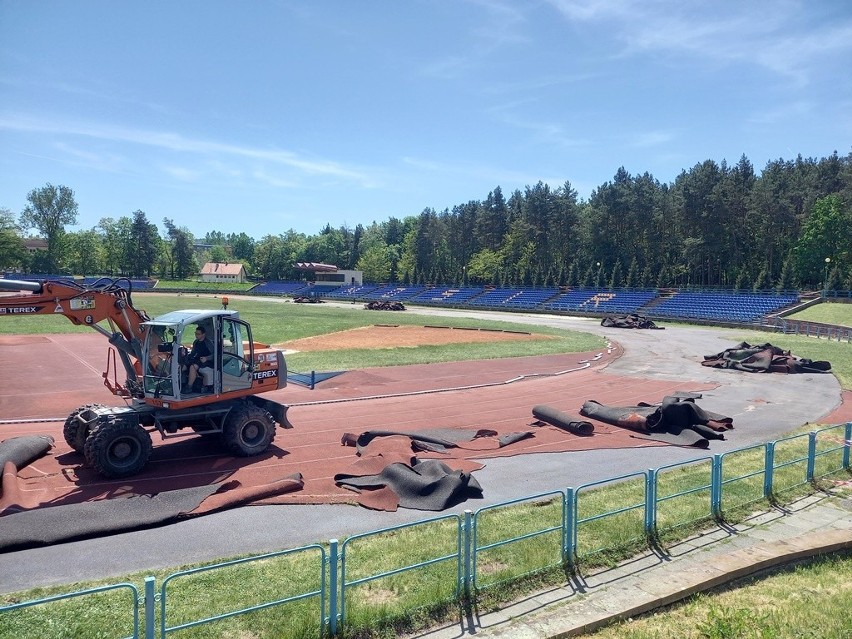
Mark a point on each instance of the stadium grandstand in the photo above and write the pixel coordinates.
(729, 306)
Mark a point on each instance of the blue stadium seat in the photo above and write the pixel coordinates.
(279, 288)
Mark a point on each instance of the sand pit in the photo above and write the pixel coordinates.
(394, 336)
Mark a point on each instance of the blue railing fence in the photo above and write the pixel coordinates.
(117, 605)
(288, 576)
(676, 505)
(434, 555)
(540, 523)
(451, 557)
(808, 329)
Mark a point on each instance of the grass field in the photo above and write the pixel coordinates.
(821, 592)
(835, 313)
(275, 321)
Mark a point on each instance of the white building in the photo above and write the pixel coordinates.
(329, 275)
(218, 272)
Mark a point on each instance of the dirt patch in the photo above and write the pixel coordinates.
(387, 336)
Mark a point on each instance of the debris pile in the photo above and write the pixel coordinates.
(384, 305)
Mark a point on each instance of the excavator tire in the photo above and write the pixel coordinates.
(118, 448)
(76, 430)
(248, 430)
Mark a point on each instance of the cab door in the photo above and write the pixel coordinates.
(237, 355)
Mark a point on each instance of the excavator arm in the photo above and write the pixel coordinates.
(105, 301)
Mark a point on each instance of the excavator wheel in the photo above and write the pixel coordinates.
(118, 448)
(78, 425)
(248, 430)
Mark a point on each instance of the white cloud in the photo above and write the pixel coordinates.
(182, 173)
(792, 110)
(501, 25)
(775, 35)
(653, 138)
(208, 150)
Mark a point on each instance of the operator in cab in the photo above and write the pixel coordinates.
(201, 356)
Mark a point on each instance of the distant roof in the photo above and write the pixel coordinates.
(34, 243)
(315, 266)
(220, 268)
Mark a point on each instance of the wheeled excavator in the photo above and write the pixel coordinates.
(154, 354)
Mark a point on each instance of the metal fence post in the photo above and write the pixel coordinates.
(571, 528)
(467, 553)
(332, 586)
(768, 469)
(650, 503)
(812, 437)
(150, 600)
(716, 487)
(847, 439)
(565, 519)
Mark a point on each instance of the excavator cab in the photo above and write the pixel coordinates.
(168, 348)
(116, 440)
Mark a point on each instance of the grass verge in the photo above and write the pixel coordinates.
(812, 599)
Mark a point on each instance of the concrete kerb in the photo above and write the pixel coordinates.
(651, 581)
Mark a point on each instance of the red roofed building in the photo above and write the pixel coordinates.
(219, 272)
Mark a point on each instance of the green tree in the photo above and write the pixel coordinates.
(832, 282)
(50, 210)
(599, 275)
(215, 238)
(492, 221)
(761, 282)
(180, 263)
(12, 250)
(705, 214)
(146, 242)
(115, 240)
(483, 266)
(615, 278)
(329, 247)
(376, 263)
(785, 279)
(275, 255)
(407, 265)
(218, 253)
(242, 247)
(827, 233)
(85, 252)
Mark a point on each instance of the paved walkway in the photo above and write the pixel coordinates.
(812, 526)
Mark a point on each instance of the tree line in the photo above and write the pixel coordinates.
(715, 225)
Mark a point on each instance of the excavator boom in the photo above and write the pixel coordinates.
(88, 305)
(105, 300)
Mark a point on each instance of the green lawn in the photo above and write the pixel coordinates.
(835, 313)
(275, 322)
(810, 600)
(408, 601)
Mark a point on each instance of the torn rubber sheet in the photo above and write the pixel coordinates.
(438, 440)
(630, 321)
(422, 485)
(677, 420)
(765, 358)
(56, 524)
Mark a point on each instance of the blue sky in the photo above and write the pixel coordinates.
(266, 116)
